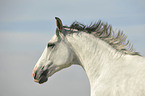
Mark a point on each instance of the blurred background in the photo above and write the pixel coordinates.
(26, 26)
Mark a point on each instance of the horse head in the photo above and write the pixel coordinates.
(56, 56)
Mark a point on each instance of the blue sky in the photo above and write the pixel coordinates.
(27, 25)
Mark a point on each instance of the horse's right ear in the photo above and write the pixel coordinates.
(59, 24)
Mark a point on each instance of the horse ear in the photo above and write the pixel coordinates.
(59, 24)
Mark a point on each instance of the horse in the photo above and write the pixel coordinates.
(108, 58)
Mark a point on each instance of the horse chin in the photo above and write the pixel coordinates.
(45, 75)
(43, 79)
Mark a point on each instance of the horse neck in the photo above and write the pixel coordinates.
(96, 56)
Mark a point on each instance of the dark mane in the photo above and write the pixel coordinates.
(105, 32)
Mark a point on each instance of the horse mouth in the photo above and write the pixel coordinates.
(42, 77)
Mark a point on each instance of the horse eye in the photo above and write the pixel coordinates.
(50, 45)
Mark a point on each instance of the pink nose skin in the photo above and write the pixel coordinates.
(35, 80)
(33, 75)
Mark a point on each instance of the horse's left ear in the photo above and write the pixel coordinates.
(59, 24)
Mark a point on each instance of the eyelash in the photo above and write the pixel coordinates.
(50, 45)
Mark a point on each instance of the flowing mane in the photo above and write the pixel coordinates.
(104, 32)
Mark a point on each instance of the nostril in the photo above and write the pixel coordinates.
(34, 74)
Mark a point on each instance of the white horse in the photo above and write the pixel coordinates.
(112, 67)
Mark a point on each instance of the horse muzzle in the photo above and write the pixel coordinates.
(40, 77)
(40, 74)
